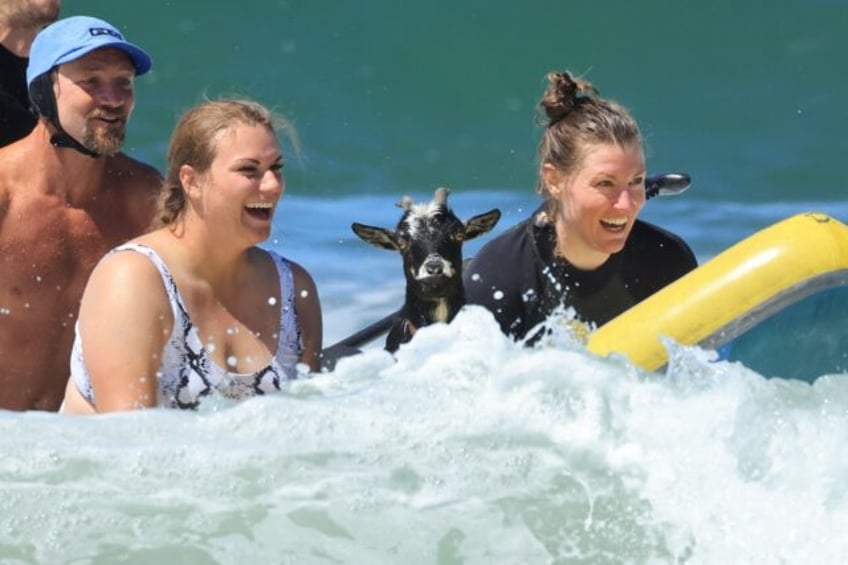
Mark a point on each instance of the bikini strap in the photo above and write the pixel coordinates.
(177, 304)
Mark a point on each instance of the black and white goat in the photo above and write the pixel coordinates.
(429, 237)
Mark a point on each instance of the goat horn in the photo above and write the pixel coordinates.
(441, 196)
(405, 203)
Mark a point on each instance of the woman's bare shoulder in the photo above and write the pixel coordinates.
(128, 268)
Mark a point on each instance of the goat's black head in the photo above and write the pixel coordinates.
(429, 237)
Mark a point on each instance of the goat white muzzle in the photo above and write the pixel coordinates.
(435, 266)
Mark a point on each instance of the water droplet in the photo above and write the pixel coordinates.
(272, 300)
(498, 295)
(304, 293)
(232, 361)
(475, 277)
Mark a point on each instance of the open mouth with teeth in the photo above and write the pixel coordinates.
(614, 224)
(260, 210)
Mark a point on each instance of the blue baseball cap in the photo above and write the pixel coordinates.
(70, 38)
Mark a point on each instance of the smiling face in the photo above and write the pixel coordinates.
(598, 203)
(238, 194)
(94, 99)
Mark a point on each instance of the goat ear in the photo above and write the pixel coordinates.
(379, 237)
(482, 223)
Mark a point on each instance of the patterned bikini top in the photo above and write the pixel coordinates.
(187, 372)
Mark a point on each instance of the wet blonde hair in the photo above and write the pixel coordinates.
(574, 116)
(195, 143)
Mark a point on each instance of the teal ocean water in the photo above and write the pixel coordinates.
(747, 97)
(467, 448)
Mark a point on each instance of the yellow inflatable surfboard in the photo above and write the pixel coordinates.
(737, 289)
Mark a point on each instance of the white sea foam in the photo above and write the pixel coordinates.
(466, 448)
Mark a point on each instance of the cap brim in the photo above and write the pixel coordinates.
(140, 59)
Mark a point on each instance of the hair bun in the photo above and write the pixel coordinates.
(563, 94)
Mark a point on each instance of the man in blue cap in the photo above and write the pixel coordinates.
(67, 196)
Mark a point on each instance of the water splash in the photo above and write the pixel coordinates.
(465, 449)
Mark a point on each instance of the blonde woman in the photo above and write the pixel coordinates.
(195, 307)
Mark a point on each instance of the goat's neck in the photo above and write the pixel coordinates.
(420, 312)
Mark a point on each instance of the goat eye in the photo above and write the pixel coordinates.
(458, 237)
(403, 243)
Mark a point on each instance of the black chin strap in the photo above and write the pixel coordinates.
(43, 101)
(62, 139)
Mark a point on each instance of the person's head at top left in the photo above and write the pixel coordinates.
(225, 170)
(81, 82)
(20, 20)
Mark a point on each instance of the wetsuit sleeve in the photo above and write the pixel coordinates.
(663, 257)
(682, 259)
(500, 276)
(16, 119)
(687, 260)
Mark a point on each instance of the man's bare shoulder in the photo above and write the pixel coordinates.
(13, 164)
(15, 161)
(125, 170)
(135, 185)
(5, 200)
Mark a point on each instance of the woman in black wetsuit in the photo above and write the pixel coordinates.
(583, 248)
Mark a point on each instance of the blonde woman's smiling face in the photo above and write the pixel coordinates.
(598, 202)
(244, 182)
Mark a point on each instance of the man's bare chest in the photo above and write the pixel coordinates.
(47, 250)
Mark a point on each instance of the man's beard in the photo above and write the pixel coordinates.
(103, 140)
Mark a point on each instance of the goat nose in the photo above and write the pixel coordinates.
(433, 267)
